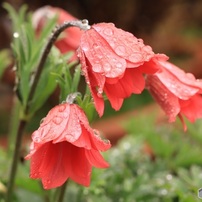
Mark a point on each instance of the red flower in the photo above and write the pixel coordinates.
(177, 92)
(70, 38)
(113, 61)
(65, 147)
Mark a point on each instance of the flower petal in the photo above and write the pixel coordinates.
(100, 55)
(50, 164)
(177, 81)
(96, 159)
(81, 168)
(168, 101)
(98, 143)
(132, 82)
(124, 44)
(192, 108)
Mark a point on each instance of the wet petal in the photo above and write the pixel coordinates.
(81, 168)
(192, 108)
(96, 159)
(177, 81)
(132, 82)
(100, 55)
(124, 44)
(168, 101)
(98, 143)
(53, 124)
(50, 164)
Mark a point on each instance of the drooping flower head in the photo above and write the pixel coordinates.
(113, 62)
(70, 38)
(177, 92)
(65, 146)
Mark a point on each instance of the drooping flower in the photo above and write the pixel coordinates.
(65, 146)
(113, 62)
(177, 92)
(70, 38)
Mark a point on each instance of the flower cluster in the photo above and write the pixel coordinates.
(65, 146)
(115, 64)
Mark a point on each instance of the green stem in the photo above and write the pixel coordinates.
(13, 127)
(62, 192)
(15, 159)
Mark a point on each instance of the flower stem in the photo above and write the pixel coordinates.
(82, 24)
(13, 127)
(62, 192)
(15, 159)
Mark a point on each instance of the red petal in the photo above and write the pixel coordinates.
(179, 83)
(50, 163)
(124, 43)
(164, 97)
(96, 159)
(81, 168)
(115, 102)
(53, 124)
(192, 108)
(72, 129)
(84, 139)
(93, 83)
(153, 65)
(132, 82)
(100, 55)
(98, 143)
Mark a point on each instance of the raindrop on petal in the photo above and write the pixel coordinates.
(57, 120)
(97, 68)
(119, 65)
(61, 108)
(107, 67)
(135, 57)
(120, 50)
(36, 139)
(108, 32)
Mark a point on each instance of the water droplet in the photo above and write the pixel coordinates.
(120, 50)
(119, 65)
(61, 108)
(16, 35)
(48, 181)
(95, 46)
(135, 57)
(42, 120)
(107, 67)
(108, 32)
(36, 137)
(65, 114)
(100, 56)
(97, 68)
(57, 120)
(99, 93)
(85, 46)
